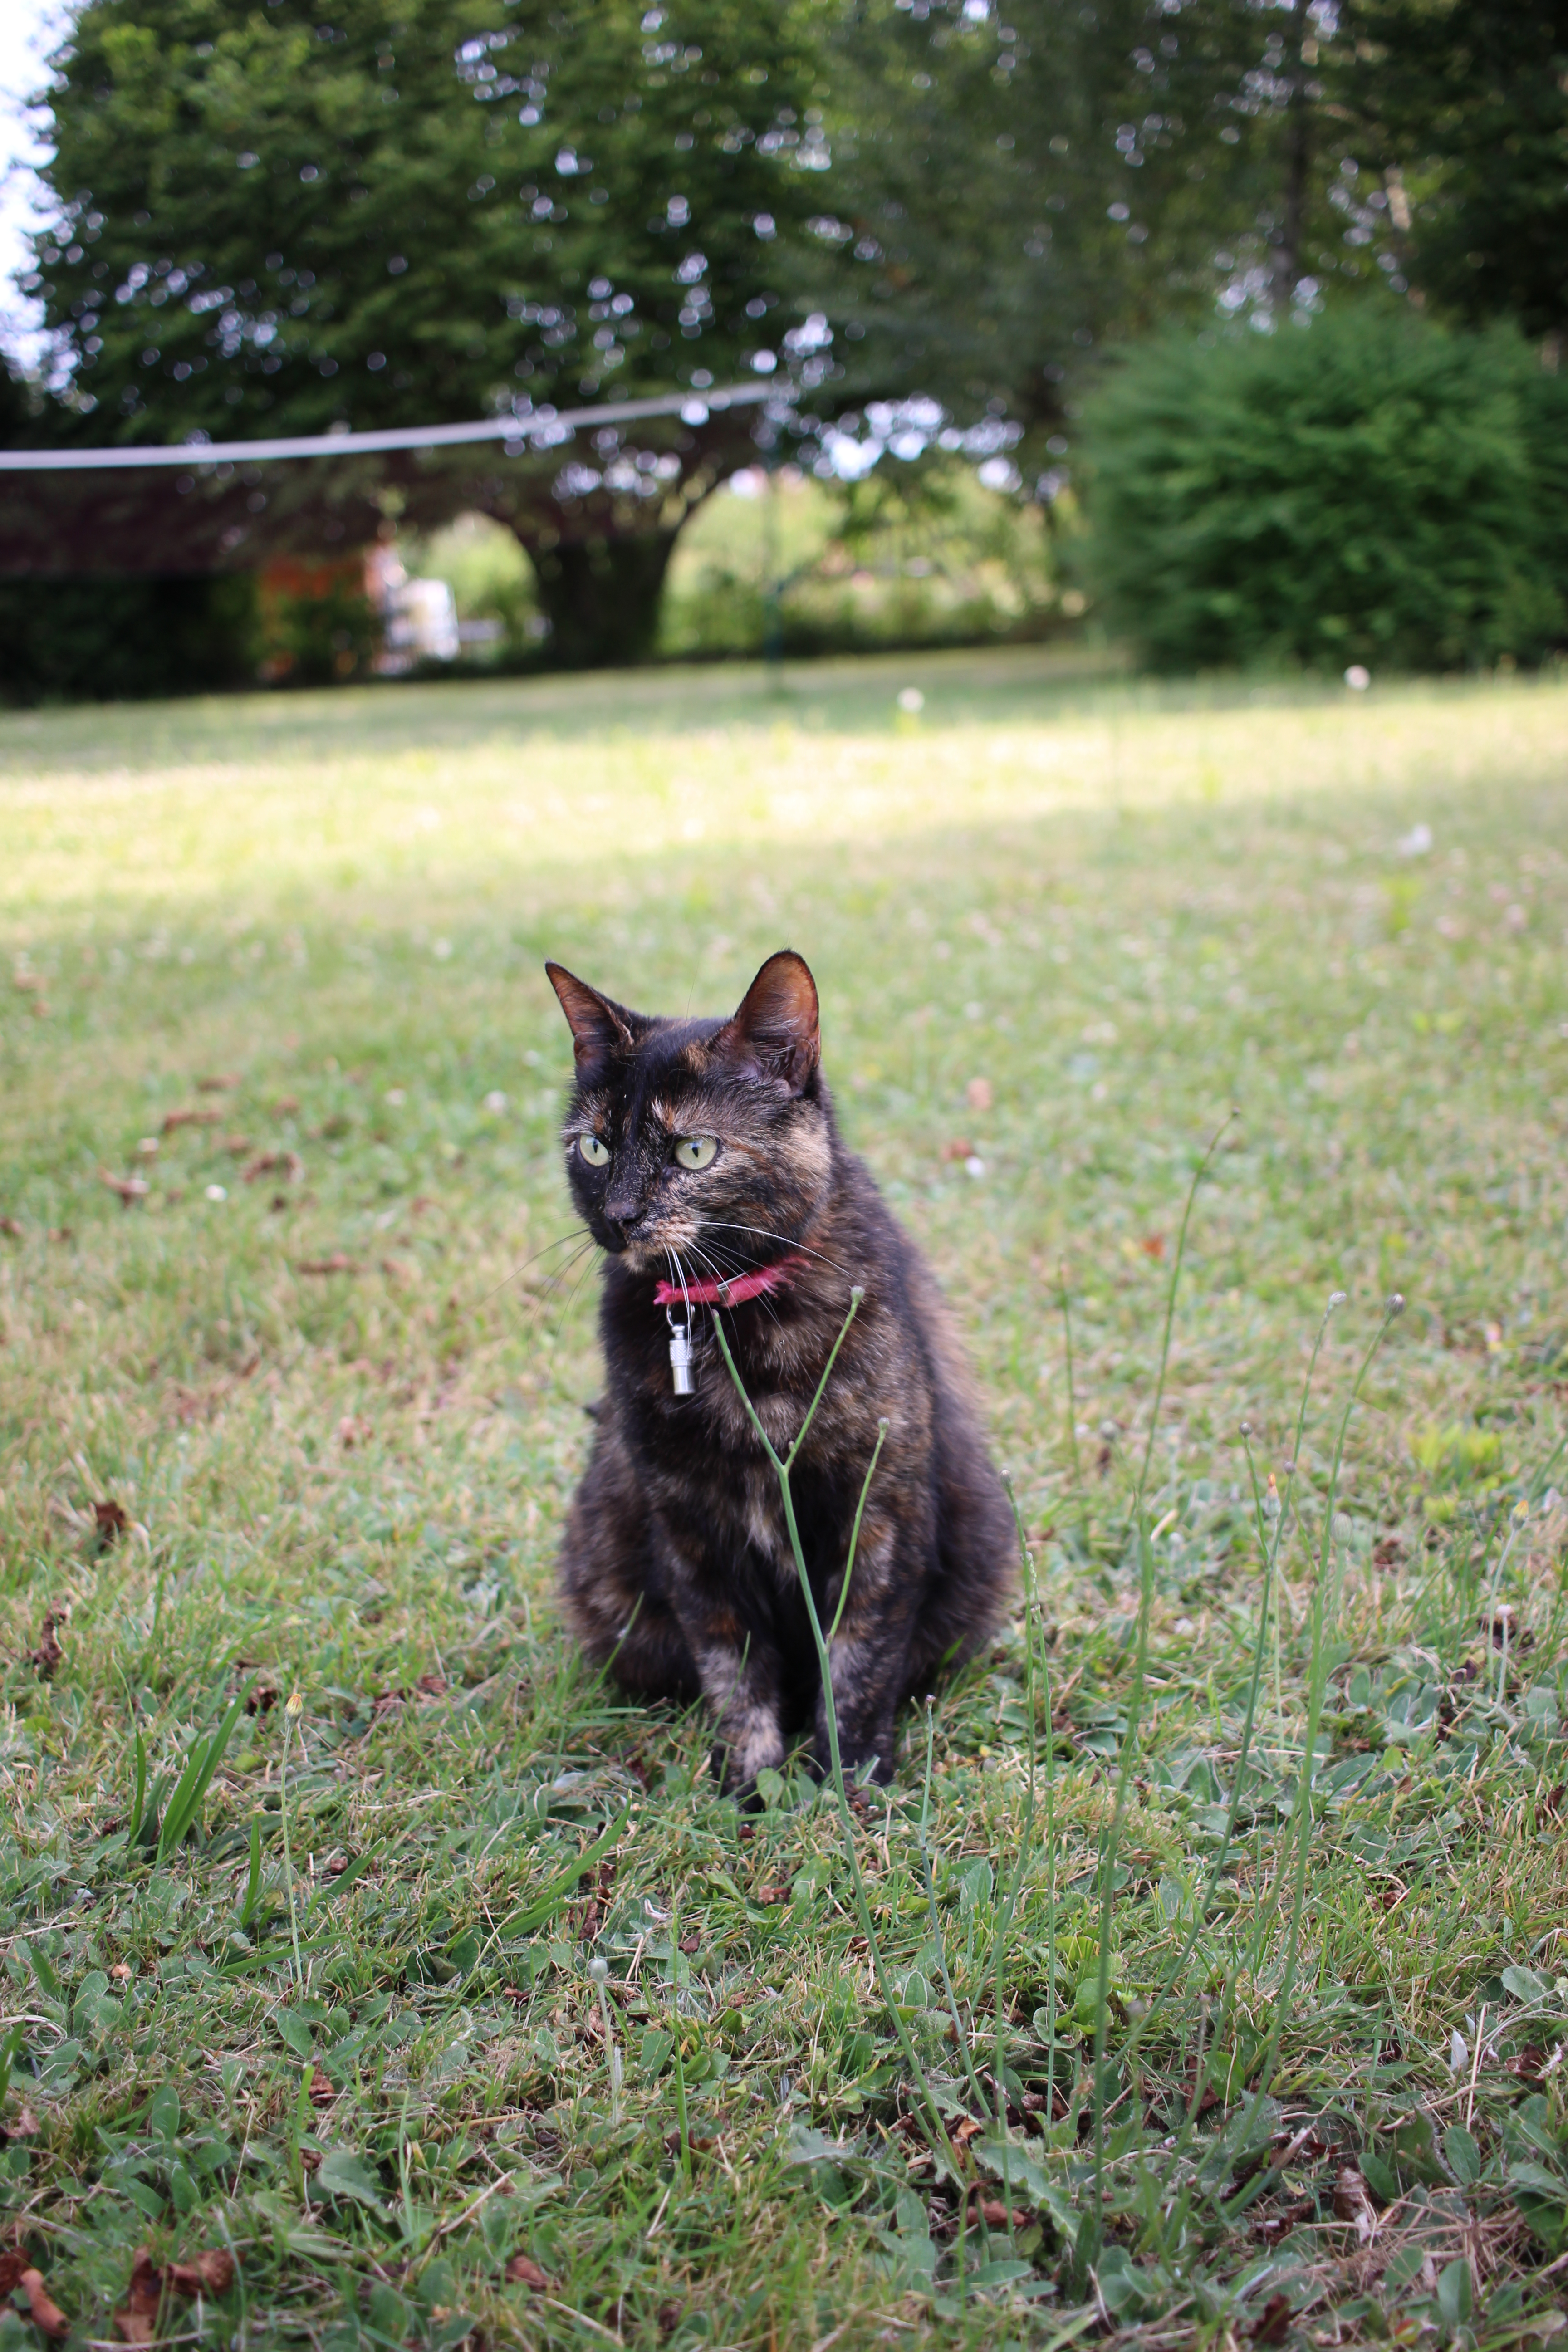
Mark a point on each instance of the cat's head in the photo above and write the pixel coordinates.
(710, 1140)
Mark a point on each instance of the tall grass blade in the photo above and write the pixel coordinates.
(183, 1811)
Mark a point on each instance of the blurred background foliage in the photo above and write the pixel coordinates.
(985, 258)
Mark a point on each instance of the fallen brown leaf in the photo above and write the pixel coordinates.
(689, 1943)
(994, 2214)
(286, 1164)
(323, 2092)
(1153, 1244)
(120, 1972)
(352, 1430)
(48, 2318)
(524, 2271)
(138, 2322)
(24, 2125)
(113, 1519)
(11, 1226)
(209, 2272)
(959, 1148)
(1352, 2203)
(286, 1106)
(978, 1094)
(1273, 2321)
(223, 1083)
(12, 2265)
(128, 1188)
(262, 1699)
(339, 1263)
(49, 1653)
(238, 1145)
(431, 1685)
(190, 1117)
(778, 1892)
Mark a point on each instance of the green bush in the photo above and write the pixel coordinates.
(1367, 488)
(110, 639)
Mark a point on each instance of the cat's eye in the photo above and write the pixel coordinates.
(695, 1150)
(593, 1151)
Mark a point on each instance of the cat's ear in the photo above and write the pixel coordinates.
(776, 1030)
(598, 1027)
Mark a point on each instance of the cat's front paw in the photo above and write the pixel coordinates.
(738, 1760)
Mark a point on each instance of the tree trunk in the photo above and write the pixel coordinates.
(1285, 262)
(602, 595)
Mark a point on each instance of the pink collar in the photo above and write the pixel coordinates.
(733, 1293)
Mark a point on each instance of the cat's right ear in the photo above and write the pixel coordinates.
(598, 1027)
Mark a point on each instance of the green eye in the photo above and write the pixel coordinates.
(593, 1151)
(695, 1150)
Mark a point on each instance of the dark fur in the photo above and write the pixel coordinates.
(676, 1565)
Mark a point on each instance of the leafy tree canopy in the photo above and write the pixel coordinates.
(1467, 99)
(424, 206)
(428, 209)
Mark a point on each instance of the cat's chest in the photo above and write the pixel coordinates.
(706, 1473)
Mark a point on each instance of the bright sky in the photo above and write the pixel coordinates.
(28, 30)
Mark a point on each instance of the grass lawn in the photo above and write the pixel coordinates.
(301, 1417)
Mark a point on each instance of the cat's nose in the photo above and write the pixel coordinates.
(623, 1206)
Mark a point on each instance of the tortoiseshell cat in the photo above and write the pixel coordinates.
(701, 1150)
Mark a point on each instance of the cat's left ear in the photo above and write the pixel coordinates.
(776, 1029)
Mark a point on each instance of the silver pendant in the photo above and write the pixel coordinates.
(680, 1377)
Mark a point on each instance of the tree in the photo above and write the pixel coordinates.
(428, 209)
(1467, 102)
(1017, 187)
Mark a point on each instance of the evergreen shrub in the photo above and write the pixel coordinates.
(1365, 486)
(110, 639)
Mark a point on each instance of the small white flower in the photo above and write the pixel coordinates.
(495, 1100)
(975, 1164)
(1458, 2052)
(218, 1192)
(396, 1096)
(911, 700)
(1416, 842)
(1357, 678)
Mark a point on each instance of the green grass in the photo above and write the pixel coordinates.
(1065, 923)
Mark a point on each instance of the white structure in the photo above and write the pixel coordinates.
(418, 617)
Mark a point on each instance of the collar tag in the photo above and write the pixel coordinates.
(680, 1374)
